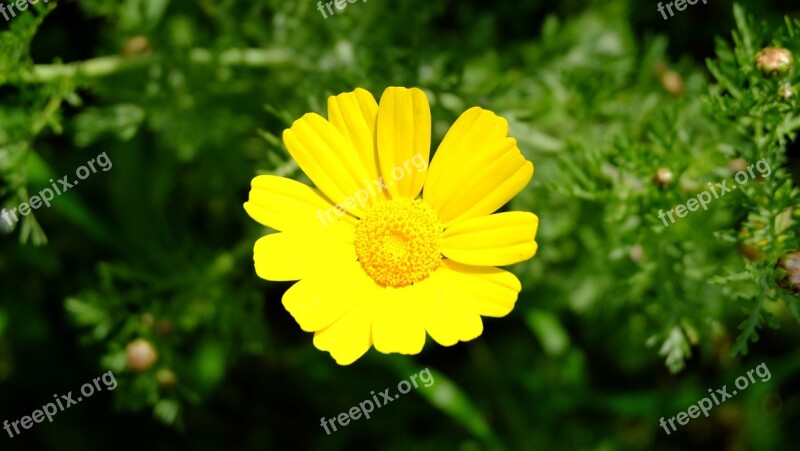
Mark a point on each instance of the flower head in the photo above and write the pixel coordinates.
(774, 60)
(387, 248)
(141, 355)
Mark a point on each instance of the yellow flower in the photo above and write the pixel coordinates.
(376, 263)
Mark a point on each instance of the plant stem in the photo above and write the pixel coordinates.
(91, 68)
(107, 65)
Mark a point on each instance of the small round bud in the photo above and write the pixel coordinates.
(737, 165)
(136, 45)
(790, 266)
(663, 177)
(772, 404)
(786, 91)
(672, 82)
(636, 253)
(166, 378)
(689, 186)
(141, 355)
(771, 60)
(147, 320)
(751, 252)
(163, 327)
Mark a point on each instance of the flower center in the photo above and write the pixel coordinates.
(398, 242)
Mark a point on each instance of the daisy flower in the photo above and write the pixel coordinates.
(383, 251)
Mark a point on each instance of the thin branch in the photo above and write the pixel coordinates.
(107, 65)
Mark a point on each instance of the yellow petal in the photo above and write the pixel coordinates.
(318, 301)
(488, 291)
(477, 168)
(404, 137)
(396, 325)
(296, 255)
(287, 205)
(330, 161)
(495, 240)
(354, 115)
(350, 337)
(474, 126)
(445, 316)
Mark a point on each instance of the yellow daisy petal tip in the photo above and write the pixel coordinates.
(403, 90)
(376, 265)
(402, 344)
(342, 356)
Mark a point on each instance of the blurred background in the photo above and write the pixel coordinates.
(146, 269)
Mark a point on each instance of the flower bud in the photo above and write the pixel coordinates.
(672, 82)
(163, 327)
(636, 252)
(147, 320)
(737, 165)
(772, 60)
(786, 91)
(136, 45)
(790, 266)
(166, 378)
(141, 355)
(752, 250)
(663, 177)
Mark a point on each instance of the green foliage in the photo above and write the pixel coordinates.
(752, 104)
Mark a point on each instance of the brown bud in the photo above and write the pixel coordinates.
(737, 165)
(772, 60)
(672, 82)
(790, 265)
(636, 253)
(166, 378)
(136, 45)
(786, 91)
(147, 320)
(752, 251)
(663, 177)
(689, 186)
(163, 327)
(141, 355)
(772, 404)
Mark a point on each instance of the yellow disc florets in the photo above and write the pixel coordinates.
(398, 242)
